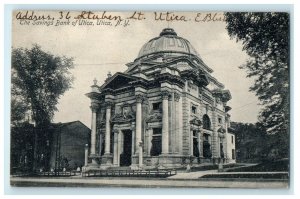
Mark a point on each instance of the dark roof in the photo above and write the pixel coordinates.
(231, 130)
(67, 124)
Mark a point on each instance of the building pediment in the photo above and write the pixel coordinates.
(224, 95)
(118, 80)
(195, 63)
(197, 76)
(227, 108)
(196, 121)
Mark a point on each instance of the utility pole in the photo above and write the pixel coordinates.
(57, 148)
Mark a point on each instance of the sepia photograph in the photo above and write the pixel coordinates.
(150, 99)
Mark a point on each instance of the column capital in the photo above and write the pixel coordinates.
(95, 106)
(177, 96)
(132, 129)
(116, 131)
(139, 98)
(165, 95)
(108, 104)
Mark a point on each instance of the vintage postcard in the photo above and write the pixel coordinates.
(150, 99)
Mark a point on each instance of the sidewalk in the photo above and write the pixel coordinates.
(192, 175)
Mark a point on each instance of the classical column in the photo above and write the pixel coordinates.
(177, 139)
(138, 128)
(115, 155)
(146, 141)
(191, 142)
(165, 123)
(107, 128)
(199, 143)
(133, 139)
(173, 129)
(201, 138)
(140, 155)
(120, 145)
(100, 143)
(215, 141)
(138, 122)
(180, 125)
(150, 133)
(225, 141)
(94, 107)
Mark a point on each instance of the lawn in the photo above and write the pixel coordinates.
(267, 166)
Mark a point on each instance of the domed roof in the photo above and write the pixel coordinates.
(168, 41)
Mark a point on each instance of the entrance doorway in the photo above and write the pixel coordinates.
(125, 157)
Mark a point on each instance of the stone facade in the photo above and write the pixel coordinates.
(165, 110)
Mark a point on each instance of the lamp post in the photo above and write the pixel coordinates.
(86, 153)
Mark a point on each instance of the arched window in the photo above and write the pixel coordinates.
(206, 122)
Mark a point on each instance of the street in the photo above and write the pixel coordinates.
(146, 183)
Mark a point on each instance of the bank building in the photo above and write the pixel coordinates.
(166, 110)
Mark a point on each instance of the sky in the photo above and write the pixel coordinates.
(99, 49)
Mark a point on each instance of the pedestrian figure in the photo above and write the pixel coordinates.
(188, 168)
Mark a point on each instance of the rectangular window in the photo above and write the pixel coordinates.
(195, 134)
(220, 120)
(206, 146)
(233, 154)
(195, 144)
(156, 142)
(195, 147)
(194, 110)
(205, 137)
(156, 131)
(156, 106)
(232, 139)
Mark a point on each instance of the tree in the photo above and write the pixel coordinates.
(21, 148)
(38, 80)
(250, 142)
(18, 105)
(265, 38)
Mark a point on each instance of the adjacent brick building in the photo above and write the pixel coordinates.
(62, 146)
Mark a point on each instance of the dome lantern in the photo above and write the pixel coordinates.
(168, 31)
(168, 42)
